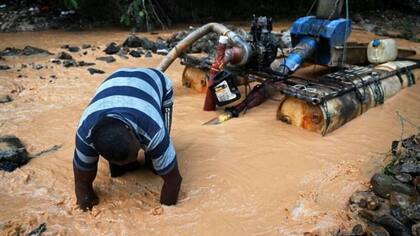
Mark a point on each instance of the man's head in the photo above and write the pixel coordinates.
(115, 141)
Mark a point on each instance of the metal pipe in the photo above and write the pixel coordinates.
(336, 112)
(199, 33)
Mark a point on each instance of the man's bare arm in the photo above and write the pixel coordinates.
(171, 186)
(86, 197)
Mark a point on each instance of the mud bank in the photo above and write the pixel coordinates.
(249, 176)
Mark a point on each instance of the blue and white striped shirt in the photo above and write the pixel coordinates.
(136, 97)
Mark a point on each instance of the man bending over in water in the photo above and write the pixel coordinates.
(132, 109)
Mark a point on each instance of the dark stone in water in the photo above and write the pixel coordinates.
(400, 200)
(374, 230)
(38, 230)
(365, 199)
(73, 49)
(64, 56)
(134, 42)
(4, 67)
(148, 54)
(37, 66)
(112, 48)
(401, 208)
(56, 61)
(415, 229)
(135, 53)
(383, 185)
(358, 230)
(27, 51)
(410, 168)
(404, 178)
(86, 46)
(12, 153)
(392, 225)
(123, 52)
(95, 71)
(83, 63)
(401, 215)
(5, 99)
(69, 63)
(107, 59)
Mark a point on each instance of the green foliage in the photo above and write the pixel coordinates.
(143, 15)
(72, 4)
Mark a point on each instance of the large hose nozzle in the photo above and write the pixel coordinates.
(183, 45)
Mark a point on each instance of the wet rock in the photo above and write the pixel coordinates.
(410, 168)
(134, 42)
(148, 54)
(123, 52)
(135, 53)
(70, 48)
(37, 66)
(38, 230)
(392, 225)
(5, 99)
(383, 185)
(73, 49)
(55, 61)
(86, 46)
(161, 44)
(95, 71)
(404, 178)
(365, 199)
(415, 229)
(402, 216)
(416, 183)
(4, 67)
(401, 208)
(27, 51)
(414, 212)
(107, 59)
(83, 63)
(70, 63)
(358, 230)
(12, 153)
(373, 230)
(112, 48)
(64, 56)
(400, 200)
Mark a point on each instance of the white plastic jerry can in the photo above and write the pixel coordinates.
(381, 51)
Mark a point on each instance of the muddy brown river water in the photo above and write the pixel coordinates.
(249, 176)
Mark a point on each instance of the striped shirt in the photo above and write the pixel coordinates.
(137, 98)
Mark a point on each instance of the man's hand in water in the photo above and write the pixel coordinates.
(171, 186)
(86, 197)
